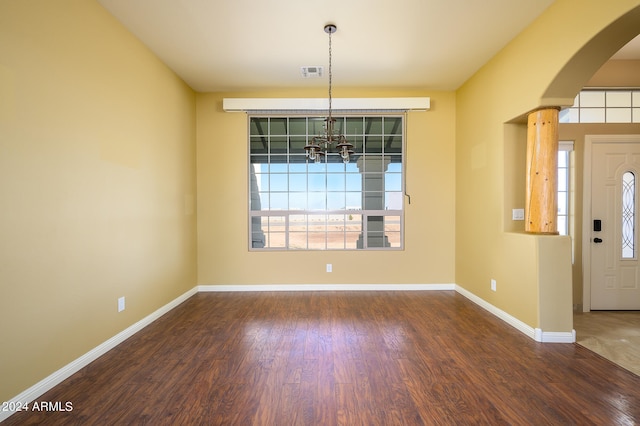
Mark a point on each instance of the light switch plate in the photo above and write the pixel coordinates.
(517, 214)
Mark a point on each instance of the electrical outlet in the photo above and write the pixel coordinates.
(329, 267)
(121, 304)
(493, 285)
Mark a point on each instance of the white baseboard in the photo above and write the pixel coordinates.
(535, 333)
(326, 287)
(555, 336)
(65, 372)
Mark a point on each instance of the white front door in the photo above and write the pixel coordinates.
(614, 245)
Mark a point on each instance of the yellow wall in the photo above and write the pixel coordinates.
(223, 254)
(547, 64)
(98, 170)
(97, 185)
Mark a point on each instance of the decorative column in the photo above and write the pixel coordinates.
(541, 206)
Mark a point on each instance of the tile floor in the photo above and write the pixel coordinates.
(614, 335)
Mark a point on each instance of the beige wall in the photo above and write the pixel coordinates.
(547, 64)
(223, 255)
(97, 185)
(617, 73)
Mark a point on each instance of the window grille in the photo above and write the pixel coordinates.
(604, 106)
(297, 204)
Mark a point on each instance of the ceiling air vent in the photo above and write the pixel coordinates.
(311, 72)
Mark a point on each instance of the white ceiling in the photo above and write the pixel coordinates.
(229, 45)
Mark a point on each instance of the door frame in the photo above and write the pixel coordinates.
(589, 140)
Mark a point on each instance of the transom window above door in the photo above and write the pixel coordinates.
(604, 106)
(299, 204)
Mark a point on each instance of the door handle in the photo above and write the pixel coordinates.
(597, 240)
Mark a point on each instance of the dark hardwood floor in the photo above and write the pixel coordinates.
(351, 358)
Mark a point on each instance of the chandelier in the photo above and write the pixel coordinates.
(321, 144)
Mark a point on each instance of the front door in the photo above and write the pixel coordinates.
(615, 186)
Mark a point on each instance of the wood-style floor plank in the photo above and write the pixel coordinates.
(341, 358)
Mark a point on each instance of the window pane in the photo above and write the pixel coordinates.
(372, 164)
(337, 167)
(278, 164)
(298, 167)
(262, 203)
(353, 200)
(374, 200)
(297, 126)
(592, 115)
(570, 115)
(618, 99)
(355, 126)
(392, 182)
(373, 125)
(297, 144)
(298, 200)
(317, 182)
(591, 99)
(628, 215)
(392, 230)
(392, 126)
(353, 182)
(258, 145)
(336, 182)
(279, 201)
(279, 145)
(316, 126)
(563, 228)
(393, 200)
(562, 203)
(279, 182)
(375, 232)
(259, 126)
(297, 182)
(317, 201)
(336, 200)
(258, 238)
(562, 159)
(373, 145)
(298, 223)
(618, 115)
(278, 126)
(562, 179)
(393, 144)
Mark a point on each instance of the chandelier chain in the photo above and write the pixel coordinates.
(330, 73)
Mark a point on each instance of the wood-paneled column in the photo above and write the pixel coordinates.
(541, 207)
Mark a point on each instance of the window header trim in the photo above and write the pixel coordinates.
(322, 104)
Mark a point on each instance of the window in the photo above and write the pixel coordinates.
(604, 106)
(564, 172)
(628, 215)
(297, 204)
